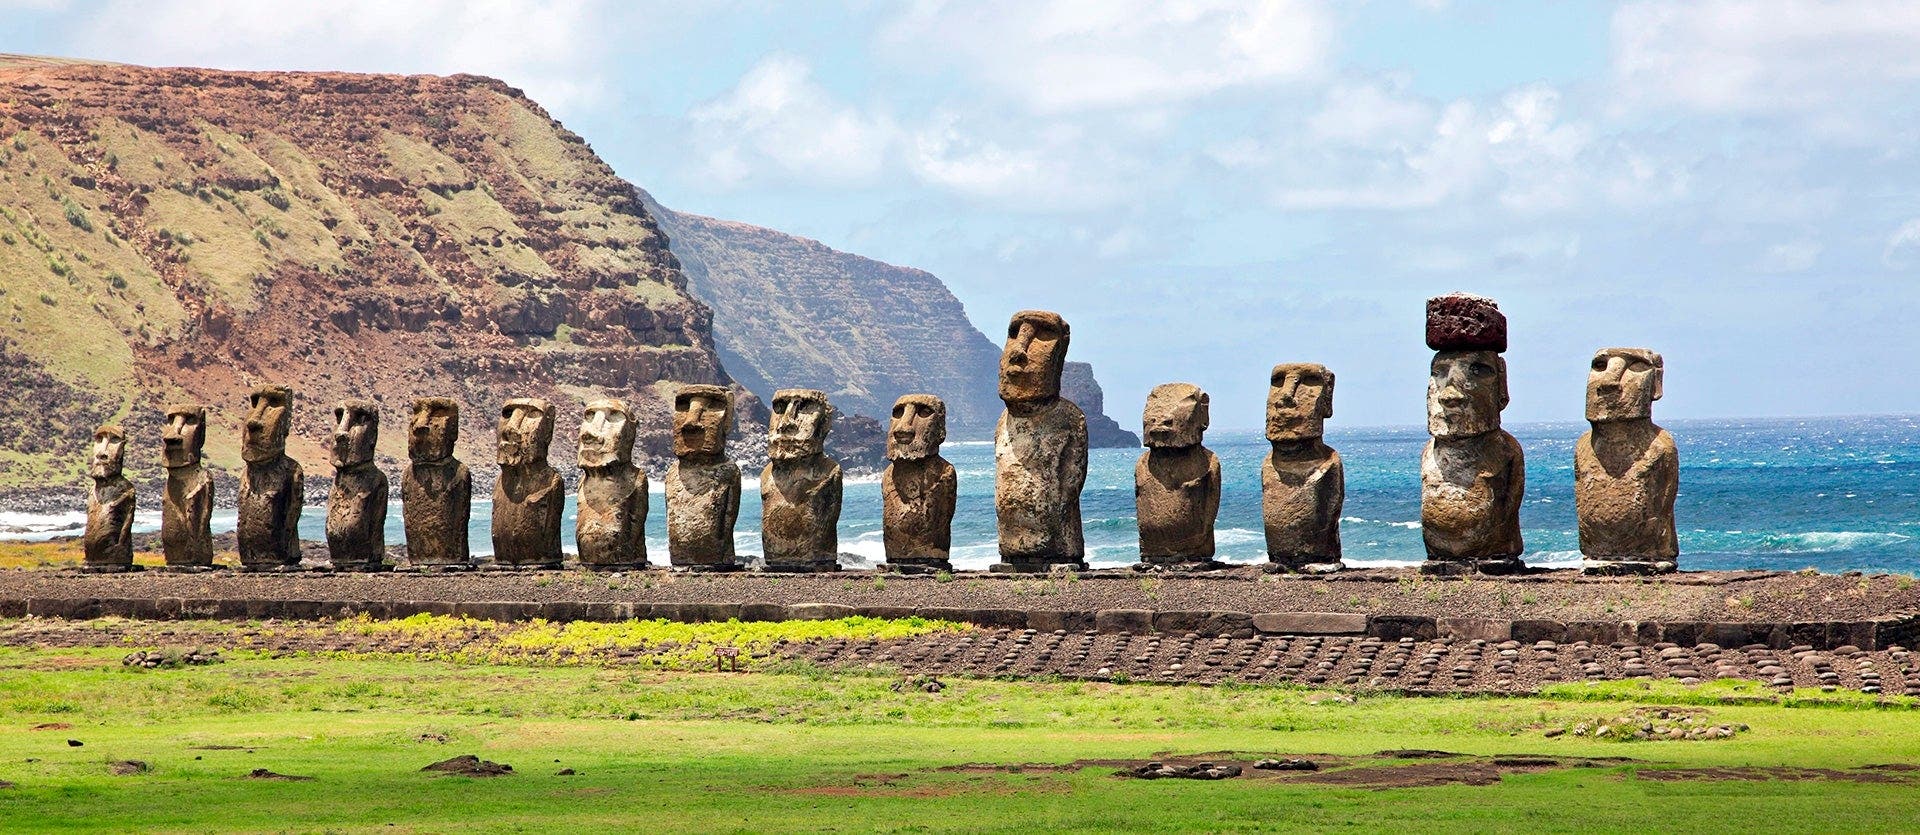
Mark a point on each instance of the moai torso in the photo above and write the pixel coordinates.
(186, 506)
(1472, 473)
(1303, 484)
(1039, 450)
(1626, 469)
(702, 485)
(108, 540)
(800, 487)
(357, 505)
(529, 496)
(611, 523)
(919, 489)
(436, 490)
(272, 486)
(1176, 482)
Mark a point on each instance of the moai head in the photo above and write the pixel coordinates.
(1034, 356)
(356, 428)
(433, 429)
(606, 434)
(1465, 393)
(918, 427)
(183, 436)
(801, 420)
(1299, 401)
(109, 452)
(1176, 416)
(702, 420)
(269, 416)
(526, 431)
(1623, 384)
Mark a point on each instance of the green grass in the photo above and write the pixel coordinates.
(809, 749)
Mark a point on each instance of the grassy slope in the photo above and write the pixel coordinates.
(803, 750)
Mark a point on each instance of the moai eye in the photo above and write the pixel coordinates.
(923, 411)
(1640, 366)
(1600, 363)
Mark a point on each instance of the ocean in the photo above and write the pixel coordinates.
(1835, 494)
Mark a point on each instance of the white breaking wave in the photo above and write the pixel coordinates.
(1815, 542)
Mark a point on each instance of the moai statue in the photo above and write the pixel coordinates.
(108, 540)
(357, 506)
(1626, 470)
(436, 490)
(800, 487)
(529, 496)
(611, 527)
(272, 487)
(1302, 482)
(1039, 451)
(919, 488)
(1472, 474)
(1176, 484)
(703, 486)
(186, 510)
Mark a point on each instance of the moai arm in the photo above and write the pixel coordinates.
(946, 492)
(460, 492)
(1336, 488)
(296, 490)
(1517, 487)
(732, 508)
(121, 512)
(1073, 467)
(1212, 486)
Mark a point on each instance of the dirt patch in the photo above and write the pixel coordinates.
(51, 726)
(1762, 774)
(1417, 754)
(263, 774)
(468, 765)
(220, 748)
(124, 768)
(1408, 776)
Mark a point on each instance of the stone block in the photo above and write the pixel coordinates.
(1535, 631)
(1311, 623)
(1686, 633)
(13, 607)
(1468, 629)
(819, 611)
(119, 607)
(763, 612)
(299, 610)
(1124, 621)
(1053, 620)
(499, 611)
(608, 612)
(657, 611)
(1596, 632)
(563, 611)
(1395, 627)
(1859, 633)
(999, 618)
(67, 608)
(1210, 624)
(886, 612)
(1641, 632)
(946, 613)
(438, 608)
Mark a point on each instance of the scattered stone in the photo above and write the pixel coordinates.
(154, 658)
(264, 774)
(124, 768)
(468, 765)
(1288, 764)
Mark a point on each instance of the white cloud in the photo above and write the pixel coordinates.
(1789, 257)
(1902, 245)
(777, 117)
(1069, 55)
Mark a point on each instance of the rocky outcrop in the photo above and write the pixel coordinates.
(1078, 385)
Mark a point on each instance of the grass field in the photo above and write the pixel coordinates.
(804, 749)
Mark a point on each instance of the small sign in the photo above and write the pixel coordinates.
(726, 658)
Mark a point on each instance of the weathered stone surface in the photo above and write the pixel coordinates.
(818, 611)
(1176, 482)
(1472, 473)
(1395, 627)
(108, 540)
(766, 612)
(529, 495)
(919, 489)
(611, 526)
(357, 505)
(1124, 621)
(1463, 322)
(1303, 482)
(800, 486)
(1311, 623)
(703, 486)
(1206, 623)
(1052, 620)
(1040, 450)
(272, 487)
(186, 509)
(436, 491)
(1626, 469)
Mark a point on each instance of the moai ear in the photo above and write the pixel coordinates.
(1500, 364)
(1659, 377)
(1203, 409)
(1326, 398)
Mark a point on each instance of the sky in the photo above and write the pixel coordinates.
(1204, 189)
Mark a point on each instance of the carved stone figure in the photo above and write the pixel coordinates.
(1472, 473)
(611, 526)
(703, 486)
(1626, 470)
(919, 488)
(186, 510)
(108, 541)
(436, 490)
(357, 505)
(1039, 450)
(1176, 484)
(800, 487)
(272, 487)
(529, 496)
(1303, 484)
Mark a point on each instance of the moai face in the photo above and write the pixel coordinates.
(1033, 358)
(1176, 416)
(801, 420)
(702, 420)
(269, 416)
(526, 431)
(1299, 401)
(606, 434)
(917, 428)
(356, 428)
(1465, 393)
(1623, 384)
(433, 429)
(183, 436)
(109, 452)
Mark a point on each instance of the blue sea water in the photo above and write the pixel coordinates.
(1835, 494)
